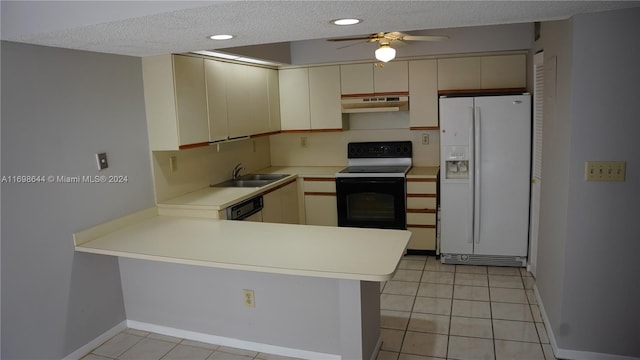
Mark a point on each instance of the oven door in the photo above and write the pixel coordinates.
(372, 202)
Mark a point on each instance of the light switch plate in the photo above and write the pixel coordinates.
(604, 170)
(102, 161)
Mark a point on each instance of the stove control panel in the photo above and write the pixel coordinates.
(379, 149)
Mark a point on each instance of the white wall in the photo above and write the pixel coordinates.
(59, 108)
(589, 236)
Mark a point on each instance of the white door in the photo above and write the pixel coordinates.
(456, 195)
(536, 164)
(502, 150)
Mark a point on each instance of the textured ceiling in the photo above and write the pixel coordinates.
(141, 28)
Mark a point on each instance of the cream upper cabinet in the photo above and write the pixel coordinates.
(393, 77)
(459, 73)
(216, 80)
(175, 101)
(294, 99)
(423, 94)
(356, 79)
(504, 71)
(274, 101)
(310, 98)
(324, 97)
(482, 72)
(368, 78)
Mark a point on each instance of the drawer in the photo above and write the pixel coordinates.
(421, 202)
(422, 238)
(421, 218)
(421, 186)
(320, 185)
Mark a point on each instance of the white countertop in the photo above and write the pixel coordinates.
(303, 250)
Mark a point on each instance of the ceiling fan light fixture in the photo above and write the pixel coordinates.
(385, 53)
(346, 21)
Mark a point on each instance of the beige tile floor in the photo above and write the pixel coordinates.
(431, 310)
(428, 311)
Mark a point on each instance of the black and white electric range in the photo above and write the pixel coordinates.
(371, 190)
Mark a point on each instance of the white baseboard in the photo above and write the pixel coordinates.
(571, 354)
(84, 350)
(236, 343)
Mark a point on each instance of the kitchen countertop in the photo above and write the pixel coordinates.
(303, 250)
(423, 171)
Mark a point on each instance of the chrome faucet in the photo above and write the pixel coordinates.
(236, 171)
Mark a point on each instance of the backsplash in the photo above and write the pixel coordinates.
(199, 167)
(330, 148)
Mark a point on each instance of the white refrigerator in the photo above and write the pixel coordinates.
(485, 179)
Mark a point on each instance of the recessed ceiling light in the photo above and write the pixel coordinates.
(221, 37)
(343, 22)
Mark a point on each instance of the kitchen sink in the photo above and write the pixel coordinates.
(252, 180)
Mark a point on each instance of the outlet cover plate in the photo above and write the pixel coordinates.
(102, 161)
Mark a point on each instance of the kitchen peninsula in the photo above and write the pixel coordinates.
(316, 287)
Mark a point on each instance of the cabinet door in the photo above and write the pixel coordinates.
(216, 81)
(321, 210)
(258, 91)
(190, 90)
(294, 99)
(238, 112)
(459, 73)
(281, 205)
(393, 77)
(504, 71)
(423, 94)
(356, 79)
(422, 238)
(324, 97)
(274, 101)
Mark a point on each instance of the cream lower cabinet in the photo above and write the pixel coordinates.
(421, 212)
(281, 204)
(320, 204)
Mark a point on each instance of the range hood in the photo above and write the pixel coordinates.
(374, 103)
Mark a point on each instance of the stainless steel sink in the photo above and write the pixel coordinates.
(252, 180)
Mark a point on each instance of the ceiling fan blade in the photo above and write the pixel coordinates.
(346, 46)
(424, 38)
(351, 39)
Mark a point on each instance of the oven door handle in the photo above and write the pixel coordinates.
(366, 180)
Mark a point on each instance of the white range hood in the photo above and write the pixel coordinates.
(374, 103)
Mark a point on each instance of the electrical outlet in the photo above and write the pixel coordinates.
(173, 163)
(303, 141)
(425, 139)
(102, 161)
(604, 170)
(249, 298)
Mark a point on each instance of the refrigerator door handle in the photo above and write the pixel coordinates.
(476, 175)
(470, 170)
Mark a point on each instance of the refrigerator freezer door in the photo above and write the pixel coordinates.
(503, 166)
(456, 116)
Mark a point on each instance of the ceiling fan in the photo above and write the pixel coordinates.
(385, 52)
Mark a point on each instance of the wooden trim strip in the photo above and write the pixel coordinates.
(265, 134)
(191, 146)
(505, 91)
(421, 195)
(422, 179)
(424, 128)
(302, 131)
(318, 193)
(318, 179)
(422, 211)
(381, 94)
(421, 226)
